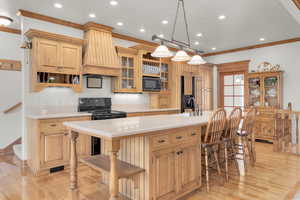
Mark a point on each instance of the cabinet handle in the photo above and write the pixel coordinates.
(193, 134)
(178, 153)
(179, 137)
(53, 125)
(161, 141)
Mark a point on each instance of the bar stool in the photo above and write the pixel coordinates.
(229, 138)
(212, 139)
(246, 148)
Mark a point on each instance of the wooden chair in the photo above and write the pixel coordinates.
(229, 138)
(245, 147)
(212, 139)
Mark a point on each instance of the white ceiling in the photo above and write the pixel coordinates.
(246, 22)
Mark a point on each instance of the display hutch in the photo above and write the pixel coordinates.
(264, 91)
(56, 60)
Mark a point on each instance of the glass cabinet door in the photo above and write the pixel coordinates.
(164, 76)
(271, 91)
(127, 79)
(254, 91)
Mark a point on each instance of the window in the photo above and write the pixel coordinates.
(232, 91)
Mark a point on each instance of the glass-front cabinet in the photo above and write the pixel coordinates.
(128, 82)
(265, 89)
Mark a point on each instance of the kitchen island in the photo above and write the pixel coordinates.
(143, 158)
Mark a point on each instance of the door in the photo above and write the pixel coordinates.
(48, 55)
(70, 58)
(163, 180)
(54, 150)
(189, 168)
(232, 90)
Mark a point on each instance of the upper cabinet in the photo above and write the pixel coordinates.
(130, 79)
(100, 55)
(264, 89)
(56, 60)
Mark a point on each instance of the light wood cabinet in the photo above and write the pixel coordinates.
(136, 114)
(130, 79)
(49, 146)
(264, 91)
(56, 61)
(164, 174)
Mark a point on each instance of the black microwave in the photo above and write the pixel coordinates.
(151, 84)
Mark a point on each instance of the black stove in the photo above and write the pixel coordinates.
(101, 110)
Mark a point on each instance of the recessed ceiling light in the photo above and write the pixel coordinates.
(214, 48)
(58, 5)
(92, 15)
(120, 24)
(222, 17)
(262, 39)
(199, 34)
(113, 2)
(164, 22)
(142, 30)
(161, 35)
(196, 43)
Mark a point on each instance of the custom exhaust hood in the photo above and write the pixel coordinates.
(100, 55)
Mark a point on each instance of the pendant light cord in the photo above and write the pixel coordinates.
(185, 21)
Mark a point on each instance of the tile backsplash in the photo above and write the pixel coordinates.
(67, 97)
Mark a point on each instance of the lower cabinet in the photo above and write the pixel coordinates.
(49, 144)
(264, 127)
(176, 165)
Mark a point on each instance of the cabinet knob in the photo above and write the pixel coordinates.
(193, 134)
(161, 141)
(179, 137)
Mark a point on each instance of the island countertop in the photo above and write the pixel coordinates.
(114, 128)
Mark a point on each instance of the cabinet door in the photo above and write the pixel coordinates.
(271, 91)
(70, 58)
(189, 168)
(188, 90)
(163, 179)
(84, 145)
(54, 150)
(48, 55)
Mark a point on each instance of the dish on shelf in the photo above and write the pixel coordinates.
(272, 92)
(255, 93)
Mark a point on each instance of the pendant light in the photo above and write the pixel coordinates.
(5, 21)
(181, 56)
(197, 60)
(162, 51)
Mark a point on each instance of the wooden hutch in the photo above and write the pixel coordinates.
(265, 92)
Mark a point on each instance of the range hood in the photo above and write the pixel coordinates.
(100, 56)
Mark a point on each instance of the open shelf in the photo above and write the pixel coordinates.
(102, 162)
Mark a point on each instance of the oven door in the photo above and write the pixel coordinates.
(151, 84)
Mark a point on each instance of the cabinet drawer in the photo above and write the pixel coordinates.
(160, 141)
(179, 137)
(52, 127)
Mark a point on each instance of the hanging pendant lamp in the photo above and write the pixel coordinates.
(5, 21)
(181, 56)
(197, 60)
(162, 51)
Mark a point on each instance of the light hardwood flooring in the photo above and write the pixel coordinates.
(276, 176)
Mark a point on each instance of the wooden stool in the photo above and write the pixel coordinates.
(212, 139)
(233, 123)
(244, 146)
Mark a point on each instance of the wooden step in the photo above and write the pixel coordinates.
(102, 162)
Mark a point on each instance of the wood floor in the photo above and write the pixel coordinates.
(276, 176)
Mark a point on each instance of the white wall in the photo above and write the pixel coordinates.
(10, 90)
(286, 55)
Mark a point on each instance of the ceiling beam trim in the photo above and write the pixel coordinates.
(297, 3)
(10, 30)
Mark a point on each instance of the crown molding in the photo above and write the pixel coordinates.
(140, 41)
(10, 30)
(253, 47)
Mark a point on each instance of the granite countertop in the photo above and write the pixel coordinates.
(113, 128)
(65, 111)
